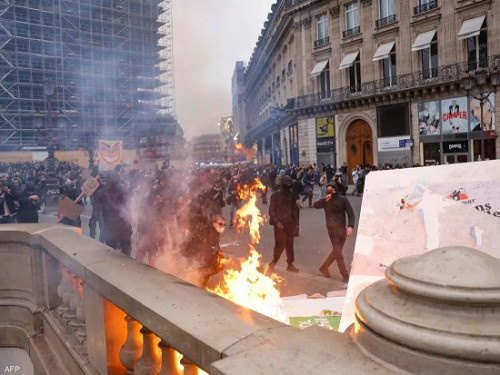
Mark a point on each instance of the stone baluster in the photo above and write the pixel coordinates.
(131, 350)
(62, 290)
(150, 361)
(168, 360)
(189, 367)
(80, 307)
(69, 298)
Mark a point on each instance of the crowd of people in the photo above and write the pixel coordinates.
(149, 210)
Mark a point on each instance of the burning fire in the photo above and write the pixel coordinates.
(248, 152)
(248, 286)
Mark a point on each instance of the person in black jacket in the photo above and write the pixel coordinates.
(29, 204)
(336, 207)
(8, 204)
(284, 216)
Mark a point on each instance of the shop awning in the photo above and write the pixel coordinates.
(383, 51)
(423, 40)
(471, 27)
(348, 60)
(318, 68)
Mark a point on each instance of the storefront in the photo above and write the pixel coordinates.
(451, 130)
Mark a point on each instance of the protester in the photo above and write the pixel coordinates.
(283, 216)
(336, 208)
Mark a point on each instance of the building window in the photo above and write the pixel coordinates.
(324, 81)
(386, 8)
(477, 49)
(424, 6)
(430, 60)
(355, 75)
(387, 15)
(321, 30)
(351, 15)
(393, 120)
(389, 69)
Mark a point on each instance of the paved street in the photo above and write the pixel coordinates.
(311, 248)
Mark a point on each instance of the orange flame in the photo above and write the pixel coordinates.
(249, 214)
(248, 152)
(248, 286)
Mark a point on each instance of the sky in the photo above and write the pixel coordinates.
(209, 37)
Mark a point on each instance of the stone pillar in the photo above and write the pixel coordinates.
(168, 360)
(436, 311)
(132, 349)
(150, 361)
(189, 367)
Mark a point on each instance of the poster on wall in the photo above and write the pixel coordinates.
(454, 115)
(488, 113)
(110, 154)
(429, 117)
(325, 127)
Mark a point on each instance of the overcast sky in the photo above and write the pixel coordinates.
(209, 37)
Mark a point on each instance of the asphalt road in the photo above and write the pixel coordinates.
(311, 248)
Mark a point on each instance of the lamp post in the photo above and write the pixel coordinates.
(478, 79)
(51, 163)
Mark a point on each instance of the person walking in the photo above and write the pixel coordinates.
(284, 217)
(336, 208)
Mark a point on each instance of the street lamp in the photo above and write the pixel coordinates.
(479, 80)
(51, 163)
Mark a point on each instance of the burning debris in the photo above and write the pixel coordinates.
(246, 284)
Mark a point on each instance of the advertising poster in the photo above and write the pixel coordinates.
(454, 115)
(429, 117)
(488, 113)
(110, 154)
(325, 127)
(411, 211)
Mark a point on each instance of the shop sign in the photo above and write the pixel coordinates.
(455, 147)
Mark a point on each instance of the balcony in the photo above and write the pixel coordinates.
(385, 21)
(321, 42)
(351, 32)
(425, 7)
(443, 75)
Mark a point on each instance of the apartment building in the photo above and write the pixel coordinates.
(382, 81)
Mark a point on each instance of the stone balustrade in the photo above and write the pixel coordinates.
(78, 307)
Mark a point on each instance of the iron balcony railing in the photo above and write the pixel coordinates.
(435, 76)
(385, 21)
(351, 32)
(425, 7)
(321, 42)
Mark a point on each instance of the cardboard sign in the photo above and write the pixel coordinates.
(69, 208)
(90, 186)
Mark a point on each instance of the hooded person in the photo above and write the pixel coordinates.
(284, 217)
(336, 208)
(204, 247)
(29, 204)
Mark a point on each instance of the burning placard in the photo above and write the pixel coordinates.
(110, 154)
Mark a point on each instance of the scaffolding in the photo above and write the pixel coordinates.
(73, 71)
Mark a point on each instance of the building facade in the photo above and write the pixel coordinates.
(77, 70)
(382, 81)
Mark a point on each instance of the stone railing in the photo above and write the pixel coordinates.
(78, 307)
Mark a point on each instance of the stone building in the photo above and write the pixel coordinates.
(382, 81)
